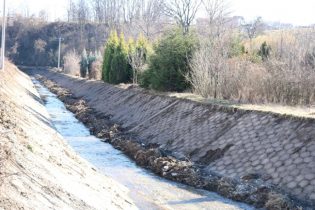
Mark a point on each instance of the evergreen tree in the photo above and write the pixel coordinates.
(264, 51)
(115, 64)
(143, 46)
(110, 47)
(120, 71)
(84, 64)
(91, 59)
(169, 64)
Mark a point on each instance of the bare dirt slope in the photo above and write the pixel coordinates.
(37, 169)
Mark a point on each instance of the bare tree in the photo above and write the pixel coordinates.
(133, 15)
(72, 11)
(113, 12)
(136, 60)
(151, 16)
(99, 13)
(131, 10)
(183, 11)
(208, 65)
(43, 16)
(252, 29)
(107, 11)
(39, 48)
(218, 12)
(83, 11)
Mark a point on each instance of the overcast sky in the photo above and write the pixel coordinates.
(297, 12)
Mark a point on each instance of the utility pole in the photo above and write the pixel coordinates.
(3, 37)
(59, 52)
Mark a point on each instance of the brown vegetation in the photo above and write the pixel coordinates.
(274, 67)
(96, 70)
(72, 63)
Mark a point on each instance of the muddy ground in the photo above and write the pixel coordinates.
(249, 189)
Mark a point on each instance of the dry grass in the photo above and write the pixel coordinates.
(297, 111)
(72, 63)
(286, 76)
(96, 70)
(5, 143)
(5, 156)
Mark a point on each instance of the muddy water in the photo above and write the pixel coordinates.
(147, 190)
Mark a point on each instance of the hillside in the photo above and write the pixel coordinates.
(34, 43)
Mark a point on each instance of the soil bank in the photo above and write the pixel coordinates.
(38, 170)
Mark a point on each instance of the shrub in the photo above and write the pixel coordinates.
(209, 64)
(39, 49)
(72, 63)
(237, 48)
(90, 59)
(144, 79)
(215, 75)
(264, 51)
(95, 69)
(169, 64)
(84, 64)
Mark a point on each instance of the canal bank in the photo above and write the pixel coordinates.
(38, 169)
(147, 190)
(251, 190)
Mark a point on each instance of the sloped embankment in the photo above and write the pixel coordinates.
(37, 169)
(241, 144)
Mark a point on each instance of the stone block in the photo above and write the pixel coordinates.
(292, 185)
(303, 183)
